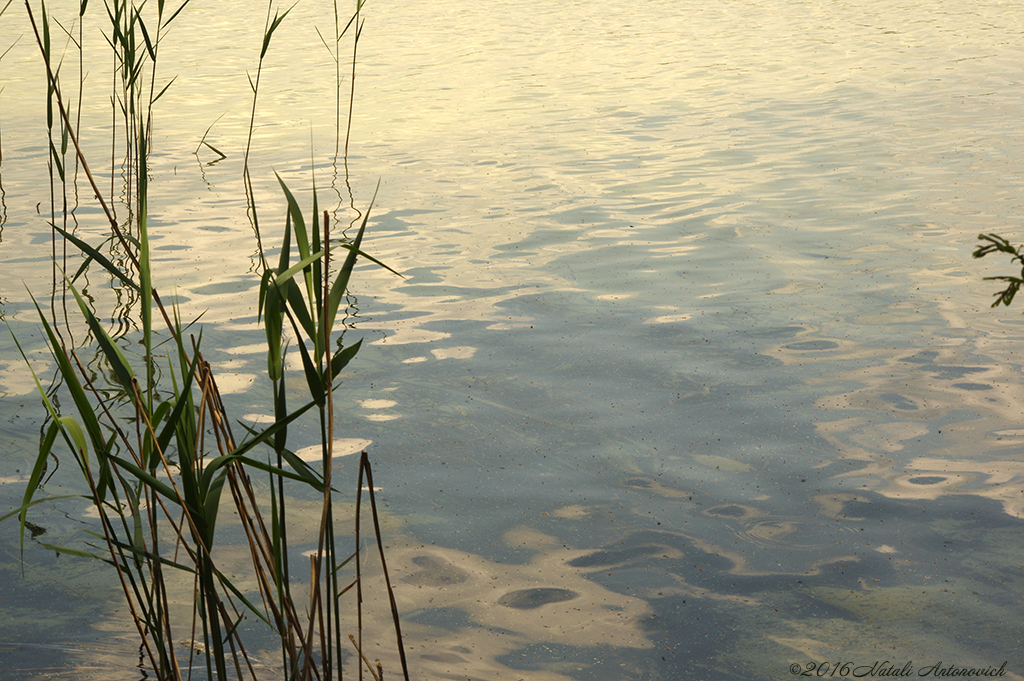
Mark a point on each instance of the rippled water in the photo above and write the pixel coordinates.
(691, 374)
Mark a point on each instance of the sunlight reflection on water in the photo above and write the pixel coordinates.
(688, 325)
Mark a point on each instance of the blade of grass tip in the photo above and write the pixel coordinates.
(36, 502)
(301, 233)
(278, 18)
(343, 357)
(161, 94)
(145, 33)
(364, 461)
(176, 13)
(207, 133)
(216, 151)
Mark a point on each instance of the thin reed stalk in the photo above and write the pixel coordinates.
(159, 483)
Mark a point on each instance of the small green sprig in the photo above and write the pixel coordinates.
(997, 244)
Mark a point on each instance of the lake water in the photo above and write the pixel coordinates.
(691, 374)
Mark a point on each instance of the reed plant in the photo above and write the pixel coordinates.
(155, 445)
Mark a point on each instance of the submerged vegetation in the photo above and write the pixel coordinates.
(139, 411)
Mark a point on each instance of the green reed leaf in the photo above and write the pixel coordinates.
(74, 386)
(145, 34)
(161, 94)
(298, 306)
(94, 254)
(122, 369)
(155, 484)
(263, 436)
(176, 13)
(342, 358)
(57, 162)
(278, 18)
(73, 552)
(45, 447)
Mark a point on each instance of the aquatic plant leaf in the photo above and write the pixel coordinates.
(145, 34)
(340, 284)
(305, 472)
(278, 18)
(57, 161)
(301, 233)
(282, 278)
(264, 435)
(138, 536)
(158, 486)
(35, 476)
(36, 502)
(161, 94)
(74, 386)
(174, 422)
(116, 359)
(995, 243)
(211, 504)
(145, 272)
(273, 322)
(73, 552)
(274, 470)
(280, 412)
(143, 553)
(313, 380)
(94, 254)
(176, 13)
(342, 358)
(214, 149)
(298, 307)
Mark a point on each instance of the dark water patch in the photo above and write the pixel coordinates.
(435, 572)
(423, 275)
(776, 332)
(923, 357)
(691, 635)
(899, 401)
(222, 287)
(451, 619)
(580, 662)
(927, 480)
(613, 557)
(731, 511)
(949, 373)
(529, 599)
(972, 386)
(811, 345)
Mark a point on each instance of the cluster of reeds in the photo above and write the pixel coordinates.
(152, 438)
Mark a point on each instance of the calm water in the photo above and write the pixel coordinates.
(689, 336)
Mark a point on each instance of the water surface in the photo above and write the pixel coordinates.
(690, 375)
